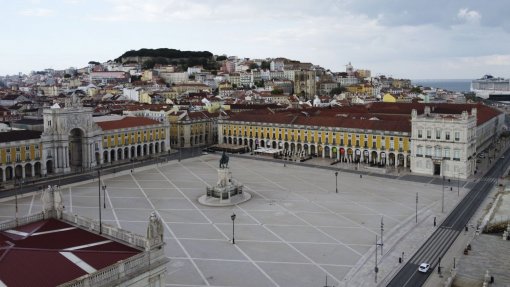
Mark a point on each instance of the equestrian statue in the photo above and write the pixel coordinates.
(224, 160)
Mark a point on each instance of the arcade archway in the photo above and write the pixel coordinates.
(76, 147)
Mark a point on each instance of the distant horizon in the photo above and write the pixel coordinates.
(435, 80)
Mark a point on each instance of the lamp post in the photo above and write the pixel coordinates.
(382, 229)
(104, 196)
(458, 184)
(99, 199)
(442, 198)
(20, 180)
(233, 217)
(416, 207)
(336, 181)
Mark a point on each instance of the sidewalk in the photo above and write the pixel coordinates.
(456, 250)
(406, 238)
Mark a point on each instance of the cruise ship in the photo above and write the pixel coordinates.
(489, 87)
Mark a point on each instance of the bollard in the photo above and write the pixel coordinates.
(400, 260)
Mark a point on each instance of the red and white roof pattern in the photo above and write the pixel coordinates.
(52, 252)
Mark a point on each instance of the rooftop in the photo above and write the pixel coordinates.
(19, 135)
(127, 122)
(53, 252)
(373, 116)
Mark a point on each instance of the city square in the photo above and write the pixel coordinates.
(295, 231)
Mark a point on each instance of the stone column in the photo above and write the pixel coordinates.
(405, 161)
(2, 176)
(66, 156)
(33, 170)
(23, 175)
(55, 158)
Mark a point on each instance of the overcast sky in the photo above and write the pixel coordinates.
(432, 39)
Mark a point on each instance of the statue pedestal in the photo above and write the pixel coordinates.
(226, 192)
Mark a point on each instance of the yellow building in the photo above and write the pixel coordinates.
(326, 133)
(388, 98)
(20, 154)
(147, 75)
(145, 97)
(360, 89)
(73, 141)
(188, 129)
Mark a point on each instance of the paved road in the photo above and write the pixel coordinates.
(444, 236)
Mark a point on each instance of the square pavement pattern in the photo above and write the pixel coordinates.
(295, 231)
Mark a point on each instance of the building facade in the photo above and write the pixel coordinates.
(326, 135)
(192, 129)
(73, 140)
(432, 139)
(444, 144)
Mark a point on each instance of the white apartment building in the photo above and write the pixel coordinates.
(444, 144)
(277, 65)
(180, 77)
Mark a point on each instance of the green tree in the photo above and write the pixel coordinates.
(67, 76)
(416, 90)
(221, 58)
(277, 92)
(254, 66)
(149, 64)
(265, 65)
(338, 90)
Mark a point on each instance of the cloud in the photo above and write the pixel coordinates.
(485, 61)
(469, 16)
(37, 12)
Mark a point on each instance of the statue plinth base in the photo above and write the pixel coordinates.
(226, 192)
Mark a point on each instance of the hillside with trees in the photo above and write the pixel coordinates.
(184, 59)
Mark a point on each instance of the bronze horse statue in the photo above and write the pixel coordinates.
(224, 160)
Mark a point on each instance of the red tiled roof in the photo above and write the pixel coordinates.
(386, 116)
(36, 260)
(127, 122)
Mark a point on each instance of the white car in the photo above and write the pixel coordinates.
(424, 267)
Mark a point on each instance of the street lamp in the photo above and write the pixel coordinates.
(336, 181)
(442, 198)
(99, 199)
(233, 217)
(416, 207)
(20, 180)
(104, 196)
(458, 184)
